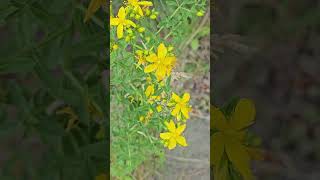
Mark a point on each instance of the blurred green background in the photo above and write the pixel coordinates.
(53, 90)
(269, 51)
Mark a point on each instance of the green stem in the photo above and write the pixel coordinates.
(172, 31)
(172, 15)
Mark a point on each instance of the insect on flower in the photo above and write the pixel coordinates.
(121, 22)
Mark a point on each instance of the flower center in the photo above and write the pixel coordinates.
(181, 104)
(121, 21)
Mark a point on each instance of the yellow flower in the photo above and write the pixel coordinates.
(121, 21)
(148, 12)
(153, 16)
(159, 108)
(115, 47)
(127, 39)
(140, 57)
(162, 63)
(130, 32)
(141, 118)
(141, 60)
(150, 90)
(174, 135)
(152, 99)
(137, 17)
(136, 4)
(200, 13)
(141, 29)
(149, 79)
(139, 52)
(230, 137)
(181, 106)
(149, 115)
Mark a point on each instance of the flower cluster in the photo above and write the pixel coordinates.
(155, 60)
(134, 10)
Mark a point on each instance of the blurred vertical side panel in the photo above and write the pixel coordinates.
(268, 52)
(54, 90)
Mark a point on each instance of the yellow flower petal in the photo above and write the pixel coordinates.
(152, 58)
(150, 68)
(185, 112)
(170, 60)
(166, 135)
(122, 13)
(172, 144)
(239, 157)
(140, 11)
(93, 7)
(218, 119)
(180, 129)
(162, 51)
(217, 141)
(159, 108)
(221, 172)
(141, 118)
(176, 98)
(244, 114)
(186, 97)
(171, 126)
(149, 91)
(114, 21)
(179, 116)
(120, 31)
(161, 72)
(128, 22)
(182, 141)
(176, 110)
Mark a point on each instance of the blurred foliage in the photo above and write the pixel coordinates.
(52, 91)
(281, 74)
(282, 20)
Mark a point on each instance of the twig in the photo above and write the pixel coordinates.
(204, 20)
